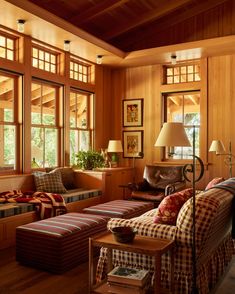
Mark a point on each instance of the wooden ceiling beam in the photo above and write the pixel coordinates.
(96, 10)
(176, 100)
(165, 7)
(6, 86)
(7, 96)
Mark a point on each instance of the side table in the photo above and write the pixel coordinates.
(143, 245)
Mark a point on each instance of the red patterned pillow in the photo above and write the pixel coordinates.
(170, 206)
(214, 182)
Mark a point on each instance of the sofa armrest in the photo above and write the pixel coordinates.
(145, 227)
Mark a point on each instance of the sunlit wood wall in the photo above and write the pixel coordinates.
(218, 90)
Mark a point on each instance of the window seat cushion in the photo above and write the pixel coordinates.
(11, 209)
(80, 194)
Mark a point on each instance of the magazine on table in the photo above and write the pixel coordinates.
(130, 276)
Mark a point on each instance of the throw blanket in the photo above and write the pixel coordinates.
(47, 204)
(229, 185)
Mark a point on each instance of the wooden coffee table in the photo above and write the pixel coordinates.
(143, 245)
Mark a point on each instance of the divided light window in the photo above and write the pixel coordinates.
(81, 122)
(7, 46)
(80, 71)
(44, 59)
(44, 125)
(9, 122)
(182, 73)
(184, 107)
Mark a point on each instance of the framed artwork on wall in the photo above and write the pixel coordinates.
(133, 144)
(132, 112)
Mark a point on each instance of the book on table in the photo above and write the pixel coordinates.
(117, 288)
(128, 276)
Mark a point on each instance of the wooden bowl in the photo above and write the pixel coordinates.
(124, 234)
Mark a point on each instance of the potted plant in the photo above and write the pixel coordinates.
(89, 159)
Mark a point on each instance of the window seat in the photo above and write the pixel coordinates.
(89, 191)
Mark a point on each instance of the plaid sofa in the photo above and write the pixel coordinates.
(214, 244)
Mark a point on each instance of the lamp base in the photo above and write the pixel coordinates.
(113, 164)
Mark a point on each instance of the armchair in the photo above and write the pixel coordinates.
(158, 182)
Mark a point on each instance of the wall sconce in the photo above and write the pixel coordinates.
(99, 59)
(173, 59)
(217, 146)
(20, 25)
(114, 147)
(66, 45)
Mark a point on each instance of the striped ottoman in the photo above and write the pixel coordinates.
(59, 243)
(120, 208)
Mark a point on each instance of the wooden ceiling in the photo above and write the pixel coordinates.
(128, 24)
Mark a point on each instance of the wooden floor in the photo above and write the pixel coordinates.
(15, 278)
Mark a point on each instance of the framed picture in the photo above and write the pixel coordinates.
(132, 112)
(133, 144)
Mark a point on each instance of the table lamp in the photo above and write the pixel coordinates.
(114, 147)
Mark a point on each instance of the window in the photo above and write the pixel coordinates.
(80, 71)
(7, 46)
(44, 59)
(184, 107)
(45, 131)
(81, 122)
(182, 73)
(9, 123)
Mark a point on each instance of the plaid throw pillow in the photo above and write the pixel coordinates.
(170, 206)
(49, 182)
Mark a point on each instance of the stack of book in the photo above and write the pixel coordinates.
(122, 280)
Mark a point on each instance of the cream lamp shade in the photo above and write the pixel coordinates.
(115, 146)
(172, 134)
(217, 146)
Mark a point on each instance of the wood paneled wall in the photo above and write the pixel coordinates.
(218, 88)
(221, 118)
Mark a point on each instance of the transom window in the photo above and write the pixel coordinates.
(182, 73)
(184, 107)
(45, 132)
(81, 122)
(80, 71)
(7, 46)
(9, 126)
(44, 59)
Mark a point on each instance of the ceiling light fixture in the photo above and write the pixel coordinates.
(66, 45)
(99, 59)
(20, 25)
(173, 59)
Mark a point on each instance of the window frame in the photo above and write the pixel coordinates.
(165, 111)
(16, 121)
(90, 118)
(57, 125)
(49, 51)
(15, 50)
